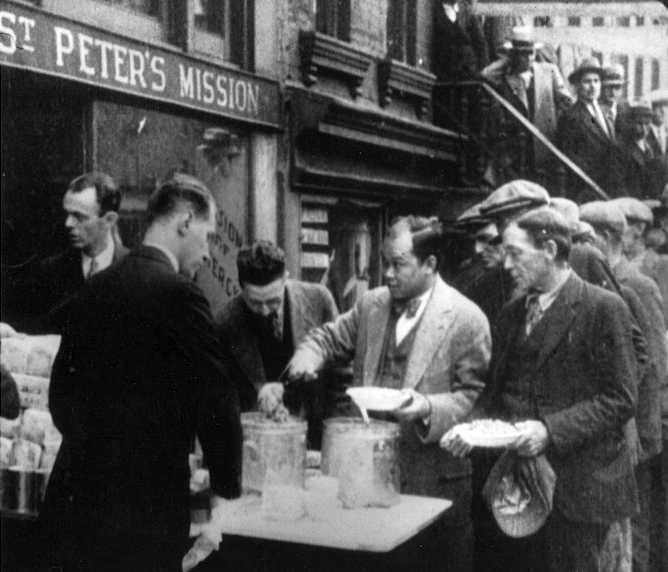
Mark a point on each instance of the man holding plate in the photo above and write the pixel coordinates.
(564, 371)
(421, 336)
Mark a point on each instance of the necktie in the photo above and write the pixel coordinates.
(92, 269)
(534, 313)
(410, 307)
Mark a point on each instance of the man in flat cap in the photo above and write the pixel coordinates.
(645, 172)
(483, 279)
(587, 136)
(398, 338)
(609, 225)
(611, 100)
(639, 219)
(536, 89)
(563, 370)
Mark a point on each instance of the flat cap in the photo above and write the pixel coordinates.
(568, 209)
(513, 196)
(634, 209)
(604, 214)
(471, 217)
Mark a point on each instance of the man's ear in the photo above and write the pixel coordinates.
(431, 262)
(551, 248)
(110, 217)
(183, 224)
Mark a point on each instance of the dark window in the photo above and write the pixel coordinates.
(401, 30)
(542, 21)
(149, 7)
(574, 21)
(598, 21)
(210, 15)
(332, 17)
(623, 21)
(656, 74)
(640, 20)
(637, 88)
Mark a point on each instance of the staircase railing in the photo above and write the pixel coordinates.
(502, 139)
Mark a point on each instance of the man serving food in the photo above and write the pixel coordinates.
(419, 335)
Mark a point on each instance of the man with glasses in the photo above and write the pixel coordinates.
(90, 205)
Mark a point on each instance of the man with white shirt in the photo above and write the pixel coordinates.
(588, 137)
(90, 205)
(422, 336)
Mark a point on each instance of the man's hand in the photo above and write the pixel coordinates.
(453, 443)
(270, 397)
(304, 365)
(533, 438)
(417, 406)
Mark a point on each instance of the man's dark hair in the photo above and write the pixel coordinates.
(545, 224)
(260, 263)
(178, 190)
(425, 232)
(106, 191)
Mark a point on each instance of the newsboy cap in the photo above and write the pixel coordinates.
(604, 214)
(513, 196)
(568, 209)
(589, 65)
(471, 218)
(634, 210)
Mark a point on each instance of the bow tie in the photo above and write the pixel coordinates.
(410, 307)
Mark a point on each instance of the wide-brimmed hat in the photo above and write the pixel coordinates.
(521, 40)
(588, 65)
(613, 75)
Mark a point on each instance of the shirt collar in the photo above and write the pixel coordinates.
(168, 253)
(104, 258)
(546, 299)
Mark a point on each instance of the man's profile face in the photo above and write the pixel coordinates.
(527, 263)
(87, 230)
(404, 274)
(611, 93)
(264, 300)
(589, 86)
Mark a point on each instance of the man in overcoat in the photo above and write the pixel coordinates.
(420, 335)
(138, 375)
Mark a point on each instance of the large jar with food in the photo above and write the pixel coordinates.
(365, 459)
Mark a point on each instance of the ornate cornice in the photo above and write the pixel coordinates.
(396, 79)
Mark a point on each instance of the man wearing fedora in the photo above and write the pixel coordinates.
(534, 88)
(611, 100)
(587, 136)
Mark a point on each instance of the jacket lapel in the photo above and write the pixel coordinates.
(560, 315)
(432, 330)
(248, 354)
(590, 122)
(379, 316)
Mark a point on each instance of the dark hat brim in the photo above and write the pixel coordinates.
(510, 206)
(578, 73)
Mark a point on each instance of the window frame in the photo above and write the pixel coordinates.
(333, 18)
(402, 26)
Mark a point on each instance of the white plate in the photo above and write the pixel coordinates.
(497, 434)
(378, 398)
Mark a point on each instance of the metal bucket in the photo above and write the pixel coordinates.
(273, 453)
(23, 490)
(365, 459)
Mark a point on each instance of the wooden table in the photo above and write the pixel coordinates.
(347, 540)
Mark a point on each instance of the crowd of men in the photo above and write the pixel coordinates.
(557, 323)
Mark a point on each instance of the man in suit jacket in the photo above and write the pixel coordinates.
(264, 324)
(45, 290)
(587, 136)
(138, 374)
(611, 101)
(536, 89)
(420, 335)
(563, 370)
(609, 224)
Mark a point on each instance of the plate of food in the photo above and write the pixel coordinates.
(378, 398)
(487, 433)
